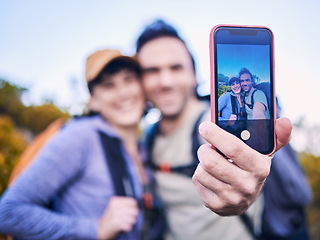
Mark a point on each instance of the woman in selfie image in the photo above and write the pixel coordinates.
(231, 104)
(88, 181)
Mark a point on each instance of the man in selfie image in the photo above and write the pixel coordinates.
(256, 103)
(169, 81)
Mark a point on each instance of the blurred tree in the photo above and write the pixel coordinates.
(33, 118)
(10, 100)
(256, 79)
(311, 165)
(37, 118)
(12, 144)
(223, 79)
(223, 84)
(17, 119)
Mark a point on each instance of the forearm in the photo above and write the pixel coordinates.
(22, 211)
(31, 221)
(258, 111)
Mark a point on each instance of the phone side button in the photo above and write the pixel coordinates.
(245, 135)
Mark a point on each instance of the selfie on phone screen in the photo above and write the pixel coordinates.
(243, 85)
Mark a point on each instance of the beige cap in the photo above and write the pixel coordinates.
(97, 61)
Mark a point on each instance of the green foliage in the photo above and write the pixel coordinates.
(223, 89)
(223, 84)
(37, 118)
(10, 103)
(12, 144)
(33, 118)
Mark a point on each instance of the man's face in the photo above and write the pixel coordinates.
(246, 82)
(168, 75)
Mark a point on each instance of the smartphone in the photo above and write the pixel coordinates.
(242, 84)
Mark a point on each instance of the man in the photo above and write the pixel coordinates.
(258, 109)
(169, 81)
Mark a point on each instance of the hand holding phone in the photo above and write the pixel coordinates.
(230, 188)
(242, 84)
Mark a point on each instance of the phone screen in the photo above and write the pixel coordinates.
(243, 84)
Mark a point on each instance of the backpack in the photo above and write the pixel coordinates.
(265, 88)
(35, 147)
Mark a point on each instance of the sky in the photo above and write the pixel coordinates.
(232, 58)
(44, 44)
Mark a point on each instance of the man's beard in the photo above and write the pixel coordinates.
(171, 117)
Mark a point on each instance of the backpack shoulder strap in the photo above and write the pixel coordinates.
(252, 95)
(33, 149)
(234, 105)
(195, 138)
(189, 169)
(121, 179)
(186, 170)
(252, 102)
(151, 134)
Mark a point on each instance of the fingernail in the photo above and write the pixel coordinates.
(203, 128)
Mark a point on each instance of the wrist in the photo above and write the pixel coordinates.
(100, 230)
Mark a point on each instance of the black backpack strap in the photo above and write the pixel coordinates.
(154, 220)
(152, 132)
(234, 105)
(121, 179)
(250, 105)
(195, 138)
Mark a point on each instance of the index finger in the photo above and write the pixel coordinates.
(233, 148)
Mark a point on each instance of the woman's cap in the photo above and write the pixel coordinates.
(97, 61)
(233, 79)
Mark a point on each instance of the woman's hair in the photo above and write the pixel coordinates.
(234, 79)
(114, 67)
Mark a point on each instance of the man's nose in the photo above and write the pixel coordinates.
(166, 78)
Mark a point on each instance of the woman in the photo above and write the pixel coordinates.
(230, 104)
(91, 173)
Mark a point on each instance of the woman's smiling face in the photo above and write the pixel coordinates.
(119, 99)
(236, 87)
